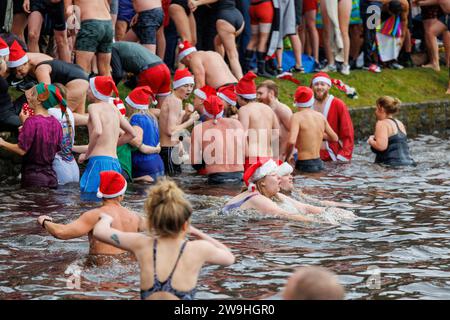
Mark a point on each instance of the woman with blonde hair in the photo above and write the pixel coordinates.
(166, 254)
(389, 142)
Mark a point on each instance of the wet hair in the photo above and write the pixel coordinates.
(167, 209)
(389, 104)
(271, 85)
(314, 283)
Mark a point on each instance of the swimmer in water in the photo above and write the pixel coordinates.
(112, 189)
(169, 263)
(263, 194)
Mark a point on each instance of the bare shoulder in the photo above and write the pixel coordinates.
(285, 109)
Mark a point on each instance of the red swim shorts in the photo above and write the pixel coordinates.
(309, 5)
(157, 78)
(261, 12)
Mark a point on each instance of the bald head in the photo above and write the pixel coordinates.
(313, 283)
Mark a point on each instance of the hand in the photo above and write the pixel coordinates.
(158, 148)
(26, 6)
(134, 20)
(192, 5)
(371, 139)
(23, 115)
(291, 160)
(41, 219)
(82, 158)
(194, 116)
(189, 108)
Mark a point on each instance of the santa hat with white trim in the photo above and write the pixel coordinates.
(304, 97)
(213, 108)
(205, 92)
(258, 171)
(4, 48)
(284, 169)
(17, 56)
(321, 77)
(185, 49)
(112, 185)
(140, 98)
(228, 94)
(246, 87)
(103, 87)
(182, 77)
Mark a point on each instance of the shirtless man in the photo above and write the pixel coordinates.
(146, 23)
(104, 124)
(443, 23)
(95, 35)
(171, 121)
(218, 145)
(112, 188)
(267, 93)
(259, 121)
(307, 132)
(208, 67)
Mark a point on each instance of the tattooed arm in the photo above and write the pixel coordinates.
(129, 241)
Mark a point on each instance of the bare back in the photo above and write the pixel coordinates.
(143, 5)
(36, 58)
(284, 115)
(311, 128)
(94, 9)
(170, 116)
(216, 71)
(104, 129)
(259, 121)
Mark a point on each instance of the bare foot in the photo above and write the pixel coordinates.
(432, 66)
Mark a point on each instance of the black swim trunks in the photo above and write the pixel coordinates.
(225, 178)
(170, 167)
(233, 16)
(310, 166)
(148, 23)
(55, 12)
(183, 4)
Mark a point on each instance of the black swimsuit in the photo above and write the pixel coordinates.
(63, 72)
(397, 152)
(226, 10)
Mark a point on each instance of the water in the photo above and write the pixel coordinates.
(403, 232)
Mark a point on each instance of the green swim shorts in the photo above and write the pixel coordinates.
(95, 36)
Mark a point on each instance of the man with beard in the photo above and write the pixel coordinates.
(267, 93)
(259, 121)
(337, 115)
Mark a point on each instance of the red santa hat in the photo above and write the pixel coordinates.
(213, 108)
(140, 98)
(120, 105)
(205, 92)
(321, 77)
(284, 168)
(17, 56)
(258, 171)
(4, 49)
(304, 97)
(246, 87)
(182, 77)
(184, 49)
(103, 87)
(227, 94)
(112, 185)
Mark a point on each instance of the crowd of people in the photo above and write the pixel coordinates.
(234, 133)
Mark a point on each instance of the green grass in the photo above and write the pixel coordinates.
(409, 85)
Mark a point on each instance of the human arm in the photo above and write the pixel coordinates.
(379, 141)
(327, 203)
(26, 6)
(103, 231)
(427, 2)
(129, 133)
(172, 127)
(80, 149)
(214, 251)
(12, 147)
(270, 208)
(345, 133)
(293, 135)
(80, 227)
(199, 73)
(329, 135)
(42, 73)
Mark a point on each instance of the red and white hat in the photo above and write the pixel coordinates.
(140, 98)
(205, 92)
(184, 49)
(304, 97)
(246, 87)
(182, 77)
(119, 104)
(103, 87)
(4, 48)
(17, 56)
(284, 168)
(321, 77)
(227, 94)
(213, 108)
(258, 171)
(112, 185)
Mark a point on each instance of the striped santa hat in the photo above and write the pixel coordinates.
(182, 77)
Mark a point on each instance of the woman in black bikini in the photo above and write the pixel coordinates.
(166, 254)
